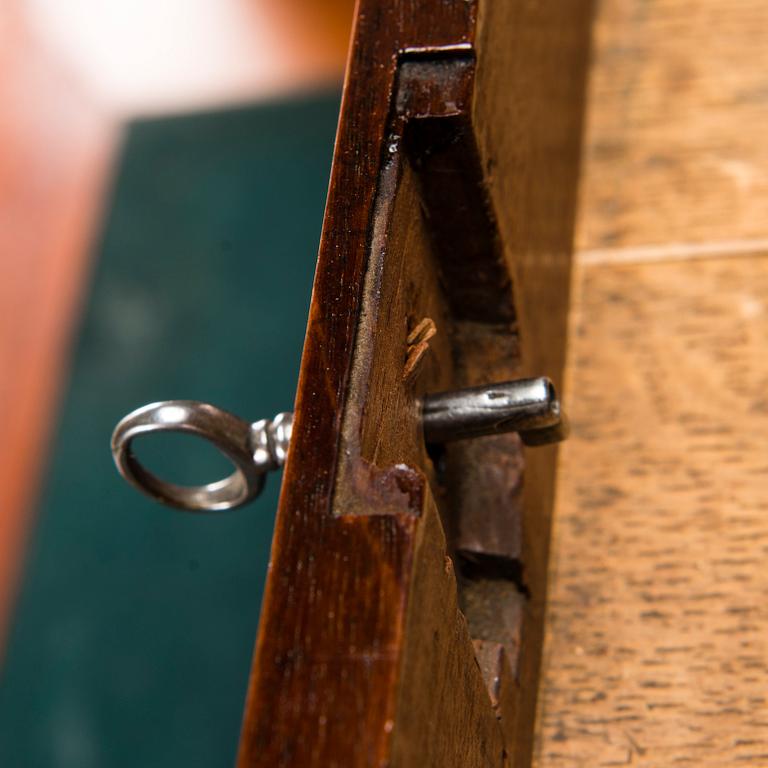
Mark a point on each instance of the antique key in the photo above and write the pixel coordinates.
(527, 406)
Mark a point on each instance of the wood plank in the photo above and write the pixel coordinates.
(324, 682)
(675, 143)
(656, 647)
(531, 94)
(657, 644)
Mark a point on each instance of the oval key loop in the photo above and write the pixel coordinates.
(527, 406)
(254, 449)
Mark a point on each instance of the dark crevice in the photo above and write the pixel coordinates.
(476, 566)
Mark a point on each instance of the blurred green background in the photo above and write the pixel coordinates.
(132, 636)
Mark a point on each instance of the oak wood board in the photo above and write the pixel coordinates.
(657, 641)
(655, 651)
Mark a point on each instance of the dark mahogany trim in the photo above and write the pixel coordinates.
(323, 684)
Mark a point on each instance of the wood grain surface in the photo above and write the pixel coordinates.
(656, 650)
(657, 645)
(675, 146)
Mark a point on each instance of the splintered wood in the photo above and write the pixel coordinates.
(418, 344)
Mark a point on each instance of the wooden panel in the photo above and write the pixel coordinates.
(678, 105)
(324, 680)
(529, 108)
(657, 648)
(362, 656)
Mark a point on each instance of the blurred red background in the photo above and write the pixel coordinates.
(71, 75)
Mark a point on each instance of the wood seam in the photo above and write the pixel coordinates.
(644, 254)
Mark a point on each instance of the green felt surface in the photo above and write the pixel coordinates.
(132, 637)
